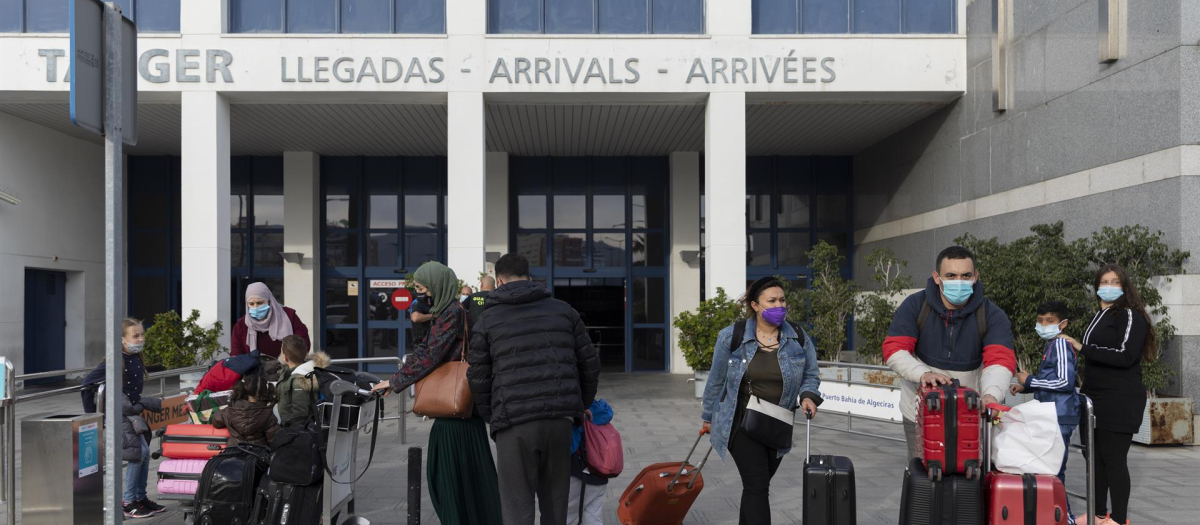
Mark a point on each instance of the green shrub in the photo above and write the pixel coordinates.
(825, 307)
(698, 330)
(179, 343)
(876, 309)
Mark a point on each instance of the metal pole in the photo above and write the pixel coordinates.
(403, 419)
(1090, 479)
(113, 263)
(8, 472)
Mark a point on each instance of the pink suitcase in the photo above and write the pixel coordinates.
(180, 476)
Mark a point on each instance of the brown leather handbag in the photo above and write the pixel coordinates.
(445, 392)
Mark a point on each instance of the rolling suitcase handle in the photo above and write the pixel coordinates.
(683, 466)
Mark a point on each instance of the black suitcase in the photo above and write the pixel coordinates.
(954, 500)
(228, 490)
(287, 504)
(829, 497)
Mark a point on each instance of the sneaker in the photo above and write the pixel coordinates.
(1100, 520)
(151, 506)
(135, 511)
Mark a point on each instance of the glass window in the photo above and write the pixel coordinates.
(239, 206)
(876, 16)
(649, 211)
(649, 349)
(774, 17)
(420, 211)
(831, 211)
(341, 248)
(311, 16)
(826, 16)
(383, 342)
(569, 16)
(683, 17)
(148, 297)
(793, 248)
(419, 248)
(929, 16)
(255, 16)
(366, 16)
(237, 249)
(608, 249)
(341, 343)
(340, 306)
(793, 211)
(420, 16)
(533, 247)
(649, 249)
(622, 16)
(569, 249)
(758, 249)
(649, 300)
(158, 16)
(266, 249)
(14, 16)
(148, 249)
(383, 249)
(570, 211)
(47, 16)
(608, 211)
(384, 212)
(531, 211)
(758, 211)
(839, 239)
(268, 209)
(514, 16)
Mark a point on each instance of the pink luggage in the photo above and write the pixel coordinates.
(180, 476)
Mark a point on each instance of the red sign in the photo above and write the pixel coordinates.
(401, 298)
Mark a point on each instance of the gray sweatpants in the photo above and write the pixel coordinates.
(910, 438)
(534, 459)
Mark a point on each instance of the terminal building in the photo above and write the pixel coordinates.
(640, 153)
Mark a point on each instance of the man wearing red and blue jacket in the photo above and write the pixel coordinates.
(962, 336)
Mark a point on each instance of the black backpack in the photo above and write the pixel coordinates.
(298, 458)
(228, 489)
(326, 376)
(739, 333)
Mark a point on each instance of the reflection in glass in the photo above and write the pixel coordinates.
(340, 306)
(773, 17)
(237, 249)
(341, 343)
(793, 211)
(681, 17)
(514, 16)
(840, 240)
(255, 16)
(649, 349)
(46, 16)
(831, 211)
(649, 303)
(420, 211)
(268, 210)
(158, 16)
(267, 248)
(568, 16)
(383, 212)
(608, 249)
(421, 16)
(569, 249)
(383, 342)
(758, 249)
(608, 211)
(239, 205)
(532, 246)
(383, 249)
(311, 16)
(379, 305)
(622, 16)
(929, 16)
(341, 248)
(793, 248)
(826, 16)
(649, 249)
(419, 248)
(367, 16)
(337, 212)
(876, 16)
(570, 211)
(531, 211)
(758, 211)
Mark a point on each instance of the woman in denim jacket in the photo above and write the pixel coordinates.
(773, 361)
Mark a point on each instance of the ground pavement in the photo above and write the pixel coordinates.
(658, 418)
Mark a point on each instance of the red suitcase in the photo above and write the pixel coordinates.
(662, 493)
(948, 430)
(1025, 499)
(188, 441)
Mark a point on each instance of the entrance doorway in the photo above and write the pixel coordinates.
(596, 301)
(594, 230)
(45, 324)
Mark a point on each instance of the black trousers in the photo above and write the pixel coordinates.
(757, 465)
(1112, 474)
(534, 459)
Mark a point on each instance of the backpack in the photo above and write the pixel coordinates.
(980, 318)
(228, 486)
(602, 449)
(297, 457)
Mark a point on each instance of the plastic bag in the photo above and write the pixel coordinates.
(1029, 441)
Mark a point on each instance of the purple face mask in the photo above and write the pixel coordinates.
(775, 315)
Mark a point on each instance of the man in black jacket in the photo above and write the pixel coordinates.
(533, 370)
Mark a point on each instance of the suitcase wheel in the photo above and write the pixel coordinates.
(972, 472)
(933, 403)
(935, 473)
(972, 402)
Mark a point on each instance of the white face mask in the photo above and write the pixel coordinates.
(134, 348)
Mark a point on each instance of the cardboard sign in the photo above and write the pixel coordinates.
(175, 410)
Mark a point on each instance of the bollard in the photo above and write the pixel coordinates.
(414, 485)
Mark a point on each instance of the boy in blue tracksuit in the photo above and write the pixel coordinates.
(1054, 381)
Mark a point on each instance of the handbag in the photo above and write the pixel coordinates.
(769, 424)
(445, 392)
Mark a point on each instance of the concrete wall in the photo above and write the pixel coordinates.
(60, 181)
(1086, 143)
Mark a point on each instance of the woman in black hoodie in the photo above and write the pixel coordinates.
(1118, 339)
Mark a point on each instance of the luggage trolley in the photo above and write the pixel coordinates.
(346, 424)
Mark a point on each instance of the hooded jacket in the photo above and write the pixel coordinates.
(530, 358)
(949, 343)
(295, 388)
(1054, 381)
(248, 422)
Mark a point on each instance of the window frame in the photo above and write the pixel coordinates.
(851, 6)
(595, 30)
(337, 22)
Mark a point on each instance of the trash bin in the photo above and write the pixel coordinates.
(61, 478)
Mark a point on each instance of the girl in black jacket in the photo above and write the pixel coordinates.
(1116, 342)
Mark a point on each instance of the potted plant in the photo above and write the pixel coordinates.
(173, 343)
(875, 310)
(1167, 420)
(698, 333)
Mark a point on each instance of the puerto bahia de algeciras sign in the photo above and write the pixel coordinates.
(159, 65)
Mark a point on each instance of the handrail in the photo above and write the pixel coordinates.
(862, 366)
(161, 376)
(403, 405)
(53, 373)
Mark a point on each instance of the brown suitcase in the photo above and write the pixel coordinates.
(662, 493)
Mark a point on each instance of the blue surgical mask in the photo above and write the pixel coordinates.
(462, 297)
(1047, 331)
(1110, 294)
(260, 312)
(958, 292)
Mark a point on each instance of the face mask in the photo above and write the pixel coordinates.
(775, 316)
(260, 312)
(1047, 331)
(1110, 294)
(134, 348)
(462, 297)
(958, 292)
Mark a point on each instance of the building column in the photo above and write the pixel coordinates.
(203, 17)
(301, 232)
(725, 194)
(466, 185)
(204, 208)
(497, 203)
(685, 245)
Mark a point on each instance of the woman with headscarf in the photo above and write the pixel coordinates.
(265, 324)
(461, 473)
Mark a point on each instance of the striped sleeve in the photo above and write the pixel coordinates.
(1057, 362)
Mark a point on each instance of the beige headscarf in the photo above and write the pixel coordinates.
(276, 323)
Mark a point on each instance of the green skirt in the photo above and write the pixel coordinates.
(461, 473)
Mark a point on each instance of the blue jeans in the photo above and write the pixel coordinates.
(1062, 471)
(137, 474)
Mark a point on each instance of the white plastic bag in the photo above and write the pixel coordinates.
(1029, 440)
